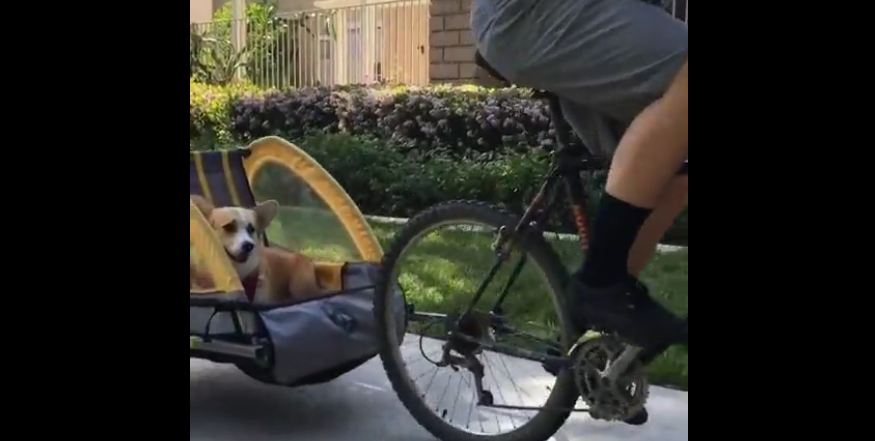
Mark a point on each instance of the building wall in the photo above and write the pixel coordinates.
(452, 45)
(200, 11)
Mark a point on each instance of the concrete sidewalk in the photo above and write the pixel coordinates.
(226, 405)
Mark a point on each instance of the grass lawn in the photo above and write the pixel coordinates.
(444, 269)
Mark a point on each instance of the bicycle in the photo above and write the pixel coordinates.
(606, 373)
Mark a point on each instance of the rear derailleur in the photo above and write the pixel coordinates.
(469, 330)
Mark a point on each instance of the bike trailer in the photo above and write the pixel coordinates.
(292, 344)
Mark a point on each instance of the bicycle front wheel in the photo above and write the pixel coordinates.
(438, 261)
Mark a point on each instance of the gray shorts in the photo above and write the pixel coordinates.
(606, 59)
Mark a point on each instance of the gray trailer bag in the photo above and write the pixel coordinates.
(312, 341)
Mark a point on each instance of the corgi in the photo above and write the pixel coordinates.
(270, 275)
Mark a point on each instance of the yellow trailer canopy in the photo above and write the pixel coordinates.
(316, 216)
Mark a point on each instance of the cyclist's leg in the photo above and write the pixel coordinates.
(653, 148)
(670, 205)
(616, 57)
(647, 159)
(630, 67)
(602, 135)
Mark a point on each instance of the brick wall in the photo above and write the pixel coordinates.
(452, 44)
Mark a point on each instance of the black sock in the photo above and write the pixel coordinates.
(613, 233)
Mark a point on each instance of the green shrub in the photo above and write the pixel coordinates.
(392, 183)
(396, 184)
(214, 59)
(209, 107)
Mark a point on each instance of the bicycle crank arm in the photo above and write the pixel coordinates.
(622, 363)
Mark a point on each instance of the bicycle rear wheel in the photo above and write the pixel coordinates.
(434, 260)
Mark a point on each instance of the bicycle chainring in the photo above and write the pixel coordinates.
(608, 400)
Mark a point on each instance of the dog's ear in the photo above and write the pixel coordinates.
(265, 212)
(206, 207)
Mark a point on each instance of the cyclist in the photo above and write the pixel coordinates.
(620, 70)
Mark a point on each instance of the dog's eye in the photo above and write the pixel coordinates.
(250, 229)
(230, 228)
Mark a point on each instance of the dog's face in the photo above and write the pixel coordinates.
(241, 231)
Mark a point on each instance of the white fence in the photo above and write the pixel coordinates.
(374, 43)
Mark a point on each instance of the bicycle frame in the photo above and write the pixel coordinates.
(567, 165)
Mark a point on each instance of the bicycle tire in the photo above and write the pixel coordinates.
(564, 395)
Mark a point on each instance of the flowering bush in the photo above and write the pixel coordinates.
(457, 120)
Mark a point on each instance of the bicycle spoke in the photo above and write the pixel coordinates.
(422, 359)
(474, 400)
(425, 372)
(438, 405)
(456, 401)
(498, 386)
(519, 391)
(492, 410)
(430, 381)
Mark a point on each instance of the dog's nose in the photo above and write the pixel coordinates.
(247, 247)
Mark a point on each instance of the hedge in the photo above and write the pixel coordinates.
(400, 184)
(209, 113)
(463, 121)
(420, 145)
